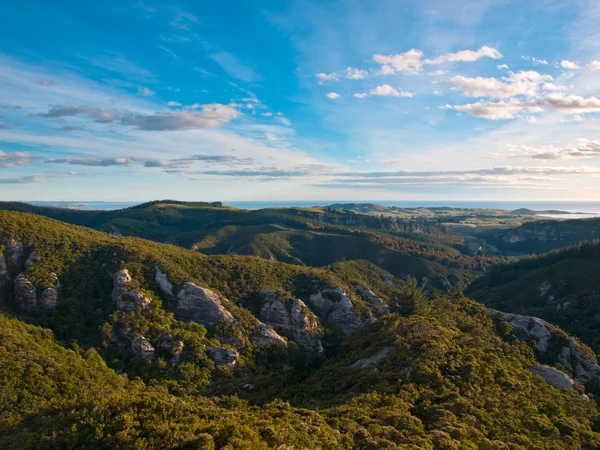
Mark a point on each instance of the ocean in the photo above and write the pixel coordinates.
(577, 209)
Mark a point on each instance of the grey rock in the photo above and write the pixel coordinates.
(553, 377)
(377, 305)
(32, 259)
(388, 278)
(16, 251)
(223, 356)
(197, 304)
(163, 281)
(4, 277)
(48, 299)
(138, 344)
(125, 299)
(266, 336)
(121, 281)
(25, 294)
(298, 323)
(373, 360)
(334, 306)
(173, 345)
(528, 327)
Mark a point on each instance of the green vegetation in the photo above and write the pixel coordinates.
(561, 287)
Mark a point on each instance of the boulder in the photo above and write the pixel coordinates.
(25, 294)
(334, 306)
(197, 304)
(373, 360)
(553, 377)
(163, 281)
(48, 299)
(223, 356)
(32, 259)
(527, 328)
(174, 346)
(266, 336)
(121, 281)
(377, 305)
(138, 344)
(125, 299)
(16, 251)
(297, 323)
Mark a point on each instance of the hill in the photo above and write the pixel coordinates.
(561, 287)
(312, 237)
(231, 351)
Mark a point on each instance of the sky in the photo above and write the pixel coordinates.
(300, 100)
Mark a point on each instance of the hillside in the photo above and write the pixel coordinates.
(313, 237)
(561, 287)
(231, 351)
(545, 235)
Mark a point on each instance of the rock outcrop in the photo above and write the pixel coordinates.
(163, 281)
(295, 321)
(48, 299)
(201, 305)
(373, 360)
(584, 367)
(32, 259)
(553, 377)
(4, 277)
(16, 251)
(376, 304)
(25, 294)
(223, 356)
(334, 306)
(125, 299)
(137, 344)
(174, 346)
(266, 336)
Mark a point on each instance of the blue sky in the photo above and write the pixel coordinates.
(291, 100)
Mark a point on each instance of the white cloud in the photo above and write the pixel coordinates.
(327, 76)
(502, 66)
(569, 65)
(360, 95)
(581, 149)
(267, 114)
(468, 55)
(594, 65)
(147, 92)
(525, 83)
(16, 159)
(349, 73)
(409, 62)
(568, 104)
(333, 95)
(285, 121)
(386, 90)
(535, 61)
(173, 103)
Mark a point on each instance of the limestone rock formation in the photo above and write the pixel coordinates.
(297, 323)
(32, 259)
(553, 377)
(16, 251)
(223, 356)
(4, 277)
(48, 299)
(25, 294)
(125, 299)
(376, 304)
(138, 344)
(197, 304)
(583, 366)
(174, 346)
(266, 336)
(334, 306)
(163, 281)
(373, 360)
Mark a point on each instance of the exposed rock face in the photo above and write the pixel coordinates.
(138, 345)
(125, 299)
(373, 360)
(388, 278)
(163, 281)
(377, 306)
(527, 328)
(197, 304)
(574, 360)
(266, 336)
(553, 377)
(25, 293)
(32, 259)
(16, 251)
(4, 278)
(334, 306)
(174, 346)
(48, 299)
(298, 323)
(223, 356)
